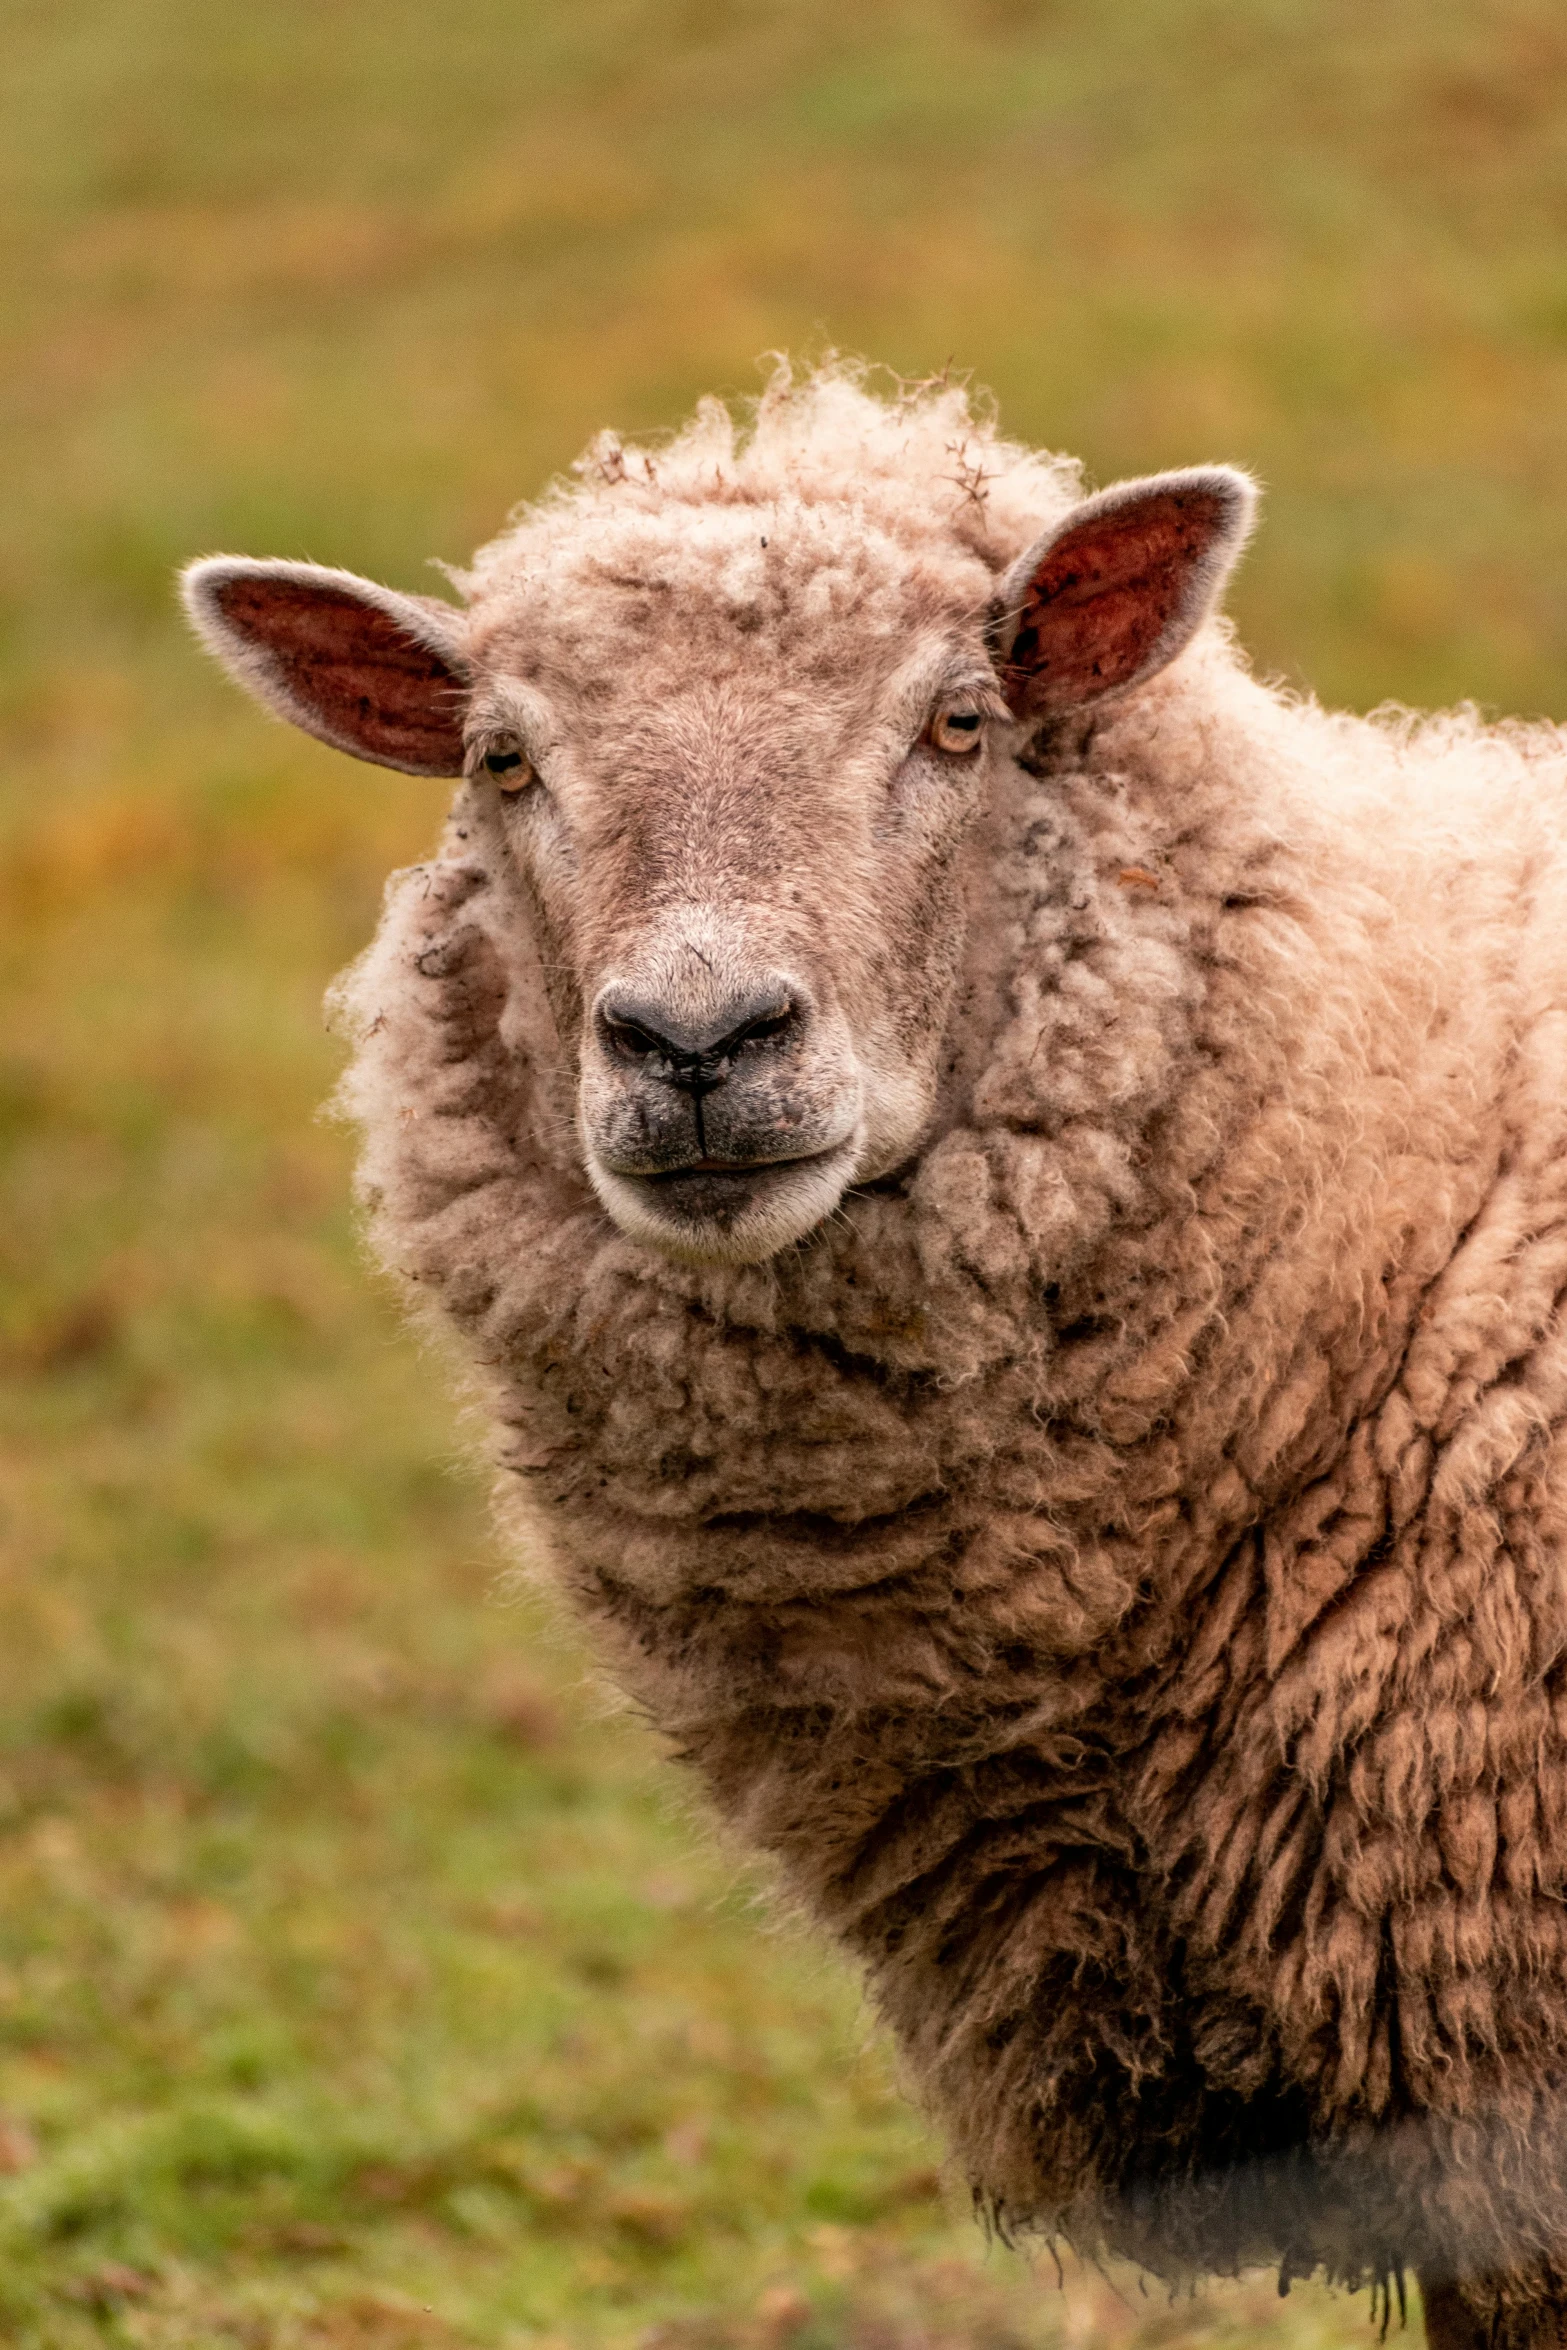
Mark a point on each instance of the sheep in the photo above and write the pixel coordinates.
(1003, 1185)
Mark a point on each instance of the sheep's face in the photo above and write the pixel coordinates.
(730, 754)
(744, 865)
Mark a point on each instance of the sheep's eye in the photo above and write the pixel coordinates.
(954, 730)
(510, 768)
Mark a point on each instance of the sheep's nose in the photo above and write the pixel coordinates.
(696, 1049)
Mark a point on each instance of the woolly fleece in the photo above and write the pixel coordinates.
(1115, 1565)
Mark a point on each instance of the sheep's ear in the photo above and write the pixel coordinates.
(1118, 588)
(371, 672)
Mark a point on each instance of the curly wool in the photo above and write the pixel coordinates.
(1115, 1567)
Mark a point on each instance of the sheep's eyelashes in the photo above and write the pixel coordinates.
(956, 731)
(512, 770)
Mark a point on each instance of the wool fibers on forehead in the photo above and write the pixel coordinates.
(926, 468)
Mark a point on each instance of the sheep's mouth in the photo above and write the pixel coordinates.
(727, 1211)
(716, 1190)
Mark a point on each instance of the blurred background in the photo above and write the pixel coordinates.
(364, 1980)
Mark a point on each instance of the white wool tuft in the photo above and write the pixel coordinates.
(929, 460)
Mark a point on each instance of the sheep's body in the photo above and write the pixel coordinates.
(1118, 1565)
(1213, 1605)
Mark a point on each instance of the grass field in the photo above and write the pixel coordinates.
(363, 1982)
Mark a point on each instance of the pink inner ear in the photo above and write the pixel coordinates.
(1104, 597)
(367, 685)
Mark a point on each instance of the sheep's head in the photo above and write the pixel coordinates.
(730, 749)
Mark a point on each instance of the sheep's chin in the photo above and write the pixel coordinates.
(776, 1207)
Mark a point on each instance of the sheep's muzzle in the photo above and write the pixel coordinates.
(721, 1124)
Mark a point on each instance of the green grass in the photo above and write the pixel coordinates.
(362, 1980)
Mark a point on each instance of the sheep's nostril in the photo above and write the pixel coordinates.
(698, 1051)
(775, 1023)
(634, 1042)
